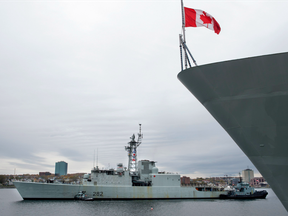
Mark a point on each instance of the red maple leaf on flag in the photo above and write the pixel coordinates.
(206, 19)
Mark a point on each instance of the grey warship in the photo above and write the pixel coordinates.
(249, 99)
(140, 181)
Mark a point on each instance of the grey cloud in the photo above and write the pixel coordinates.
(77, 77)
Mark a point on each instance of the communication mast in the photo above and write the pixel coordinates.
(132, 152)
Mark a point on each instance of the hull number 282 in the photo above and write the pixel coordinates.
(98, 193)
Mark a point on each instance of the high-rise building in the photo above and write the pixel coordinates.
(61, 168)
(247, 174)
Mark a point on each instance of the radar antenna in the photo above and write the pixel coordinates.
(140, 136)
(132, 152)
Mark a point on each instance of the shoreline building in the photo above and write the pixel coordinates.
(44, 173)
(185, 180)
(247, 174)
(61, 168)
(258, 182)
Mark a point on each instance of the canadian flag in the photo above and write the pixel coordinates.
(198, 18)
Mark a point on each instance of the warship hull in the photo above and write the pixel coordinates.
(249, 99)
(31, 190)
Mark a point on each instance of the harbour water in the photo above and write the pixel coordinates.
(11, 204)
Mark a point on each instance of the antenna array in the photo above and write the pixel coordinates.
(132, 152)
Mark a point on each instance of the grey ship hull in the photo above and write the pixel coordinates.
(31, 190)
(249, 99)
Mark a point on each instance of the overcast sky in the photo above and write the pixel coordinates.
(77, 77)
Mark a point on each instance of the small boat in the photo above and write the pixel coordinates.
(82, 196)
(244, 191)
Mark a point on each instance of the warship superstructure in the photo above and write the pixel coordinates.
(141, 180)
(249, 99)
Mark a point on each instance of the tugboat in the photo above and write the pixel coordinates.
(244, 191)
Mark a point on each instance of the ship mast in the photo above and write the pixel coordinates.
(132, 152)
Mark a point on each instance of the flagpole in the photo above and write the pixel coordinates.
(181, 59)
(183, 29)
(183, 20)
